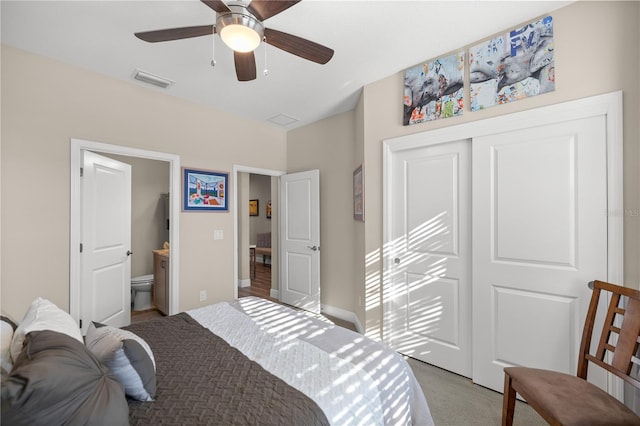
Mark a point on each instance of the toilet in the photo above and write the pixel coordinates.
(141, 292)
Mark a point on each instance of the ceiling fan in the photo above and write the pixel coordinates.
(241, 27)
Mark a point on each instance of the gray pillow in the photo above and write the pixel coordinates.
(128, 357)
(56, 380)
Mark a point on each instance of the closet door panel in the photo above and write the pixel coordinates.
(428, 288)
(539, 236)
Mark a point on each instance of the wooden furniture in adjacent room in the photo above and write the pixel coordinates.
(563, 399)
(263, 246)
(161, 280)
(252, 258)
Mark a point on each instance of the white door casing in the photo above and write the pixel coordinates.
(106, 240)
(429, 291)
(77, 147)
(539, 236)
(608, 107)
(300, 240)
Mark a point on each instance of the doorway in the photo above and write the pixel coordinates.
(77, 147)
(150, 225)
(295, 230)
(243, 261)
(259, 229)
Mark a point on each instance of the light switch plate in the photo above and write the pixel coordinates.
(218, 234)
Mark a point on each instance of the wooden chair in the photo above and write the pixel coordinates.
(563, 399)
(263, 246)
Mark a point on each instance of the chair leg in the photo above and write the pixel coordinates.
(508, 402)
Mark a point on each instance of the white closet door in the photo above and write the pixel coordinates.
(428, 288)
(539, 235)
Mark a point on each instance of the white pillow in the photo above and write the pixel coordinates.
(128, 357)
(7, 328)
(44, 315)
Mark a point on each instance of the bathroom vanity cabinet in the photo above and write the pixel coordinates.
(161, 280)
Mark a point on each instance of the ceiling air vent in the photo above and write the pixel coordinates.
(149, 78)
(282, 120)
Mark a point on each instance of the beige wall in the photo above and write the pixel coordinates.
(589, 61)
(359, 227)
(259, 189)
(244, 267)
(275, 230)
(596, 46)
(44, 104)
(328, 145)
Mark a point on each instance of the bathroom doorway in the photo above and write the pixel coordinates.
(169, 161)
(150, 225)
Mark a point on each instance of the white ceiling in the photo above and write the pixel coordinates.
(371, 40)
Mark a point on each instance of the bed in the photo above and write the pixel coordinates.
(257, 362)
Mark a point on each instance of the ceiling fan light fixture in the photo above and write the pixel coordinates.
(241, 32)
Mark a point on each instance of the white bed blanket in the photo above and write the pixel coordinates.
(353, 379)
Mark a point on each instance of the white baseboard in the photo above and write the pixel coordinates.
(274, 293)
(244, 283)
(343, 315)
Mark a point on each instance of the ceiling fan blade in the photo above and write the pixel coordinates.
(217, 5)
(298, 46)
(265, 9)
(175, 33)
(245, 65)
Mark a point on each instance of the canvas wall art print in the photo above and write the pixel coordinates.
(204, 190)
(434, 89)
(254, 207)
(516, 65)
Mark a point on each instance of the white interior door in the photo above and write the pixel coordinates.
(300, 240)
(429, 286)
(539, 235)
(106, 241)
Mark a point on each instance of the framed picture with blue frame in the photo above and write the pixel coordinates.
(204, 190)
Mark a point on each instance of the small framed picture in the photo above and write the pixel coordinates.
(204, 190)
(253, 207)
(269, 209)
(358, 194)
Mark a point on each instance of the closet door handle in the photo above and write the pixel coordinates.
(314, 248)
(129, 252)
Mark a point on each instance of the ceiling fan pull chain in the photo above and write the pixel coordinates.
(266, 70)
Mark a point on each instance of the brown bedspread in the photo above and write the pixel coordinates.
(202, 380)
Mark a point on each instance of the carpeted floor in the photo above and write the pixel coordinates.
(455, 401)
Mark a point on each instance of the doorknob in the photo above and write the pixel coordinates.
(314, 248)
(396, 260)
(129, 252)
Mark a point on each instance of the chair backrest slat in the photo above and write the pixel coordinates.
(626, 332)
(627, 345)
(608, 323)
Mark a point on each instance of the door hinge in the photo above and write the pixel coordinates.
(81, 171)
(80, 323)
(80, 247)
